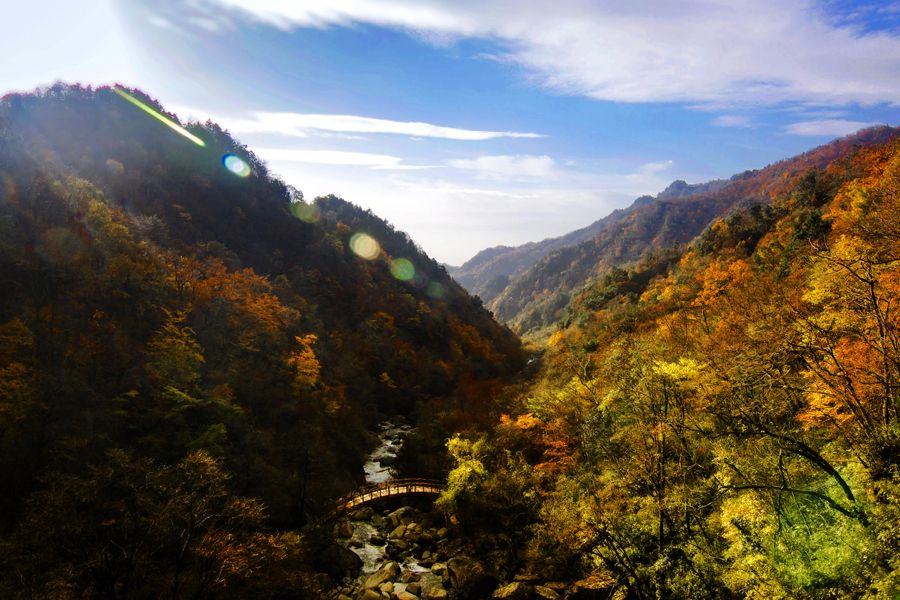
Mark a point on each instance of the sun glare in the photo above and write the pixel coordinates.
(160, 117)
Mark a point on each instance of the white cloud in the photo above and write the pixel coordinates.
(826, 127)
(453, 215)
(732, 121)
(300, 125)
(700, 51)
(655, 167)
(329, 157)
(505, 166)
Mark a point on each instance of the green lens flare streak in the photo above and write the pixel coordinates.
(160, 117)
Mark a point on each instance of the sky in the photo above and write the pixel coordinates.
(476, 123)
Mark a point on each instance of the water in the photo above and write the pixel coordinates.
(379, 468)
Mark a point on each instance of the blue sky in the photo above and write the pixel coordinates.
(471, 123)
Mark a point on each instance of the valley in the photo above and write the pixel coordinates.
(697, 396)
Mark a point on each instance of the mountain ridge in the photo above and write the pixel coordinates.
(535, 296)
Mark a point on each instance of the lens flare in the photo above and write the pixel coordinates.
(402, 269)
(306, 212)
(436, 290)
(159, 117)
(364, 246)
(236, 165)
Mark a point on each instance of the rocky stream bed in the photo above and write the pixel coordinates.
(405, 550)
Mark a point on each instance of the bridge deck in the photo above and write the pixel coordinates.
(396, 487)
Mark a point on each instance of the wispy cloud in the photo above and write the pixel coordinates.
(466, 213)
(698, 51)
(330, 157)
(505, 166)
(826, 127)
(300, 125)
(732, 121)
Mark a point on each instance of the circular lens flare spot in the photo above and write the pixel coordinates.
(402, 269)
(306, 212)
(364, 246)
(436, 290)
(236, 165)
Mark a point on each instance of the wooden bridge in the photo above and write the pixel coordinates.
(388, 489)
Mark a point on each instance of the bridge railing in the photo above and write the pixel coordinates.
(395, 487)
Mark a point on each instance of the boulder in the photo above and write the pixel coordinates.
(368, 595)
(512, 591)
(338, 561)
(387, 588)
(376, 539)
(386, 573)
(343, 529)
(408, 576)
(364, 513)
(398, 532)
(469, 578)
(545, 593)
(402, 515)
(404, 595)
(430, 586)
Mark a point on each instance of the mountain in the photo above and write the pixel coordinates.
(719, 419)
(189, 345)
(489, 272)
(535, 296)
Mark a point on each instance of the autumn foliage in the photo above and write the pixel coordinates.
(721, 420)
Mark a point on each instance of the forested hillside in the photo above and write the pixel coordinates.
(720, 420)
(652, 229)
(489, 272)
(193, 355)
